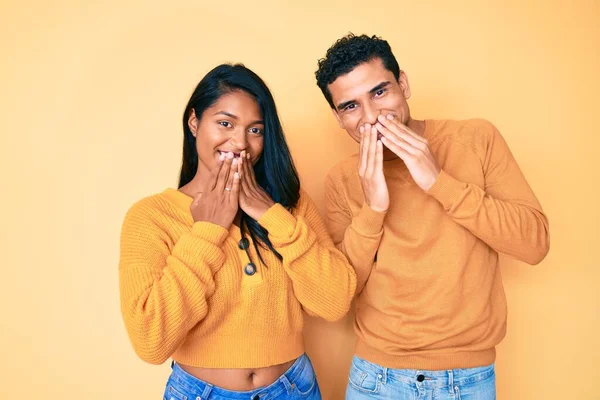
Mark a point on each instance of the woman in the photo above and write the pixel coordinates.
(215, 275)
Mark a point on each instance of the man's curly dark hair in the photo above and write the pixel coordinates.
(348, 53)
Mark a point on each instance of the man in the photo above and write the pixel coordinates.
(422, 212)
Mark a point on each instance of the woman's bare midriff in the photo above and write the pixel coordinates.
(239, 379)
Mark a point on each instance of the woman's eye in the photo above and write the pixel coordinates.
(226, 124)
(256, 131)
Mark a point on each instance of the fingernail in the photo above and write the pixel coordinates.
(381, 118)
(221, 157)
(248, 156)
(367, 126)
(230, 155)
(236, 176)
(234, 161)
(390, 116)
(361, 129)
(378, 125)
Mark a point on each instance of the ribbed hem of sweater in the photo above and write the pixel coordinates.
(240, 351)
(431, 361)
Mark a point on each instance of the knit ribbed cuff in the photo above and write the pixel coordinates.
(212, 233)
(446, 190)
(278, 221)
(368, 221)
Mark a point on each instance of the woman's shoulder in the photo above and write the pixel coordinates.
(156, 204)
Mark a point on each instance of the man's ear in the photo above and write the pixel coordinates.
(404, 85)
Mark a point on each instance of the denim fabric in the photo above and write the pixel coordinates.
(371, 381)
(298, 382)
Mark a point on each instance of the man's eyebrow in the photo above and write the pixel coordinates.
(380, 86)
(343, 105)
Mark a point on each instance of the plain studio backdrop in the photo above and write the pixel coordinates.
(91, 100)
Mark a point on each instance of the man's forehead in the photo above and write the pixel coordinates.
(359, 81)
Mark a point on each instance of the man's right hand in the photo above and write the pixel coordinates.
(370, 169)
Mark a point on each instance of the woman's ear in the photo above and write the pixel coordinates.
(193, 122)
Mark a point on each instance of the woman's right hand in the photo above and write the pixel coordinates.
(218, 201)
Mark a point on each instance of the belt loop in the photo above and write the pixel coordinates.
(285, 381)
(206, 392)
(385, 374)
(451, 381)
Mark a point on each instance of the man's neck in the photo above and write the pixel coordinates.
(417, 126)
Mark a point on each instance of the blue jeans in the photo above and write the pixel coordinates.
(371, 381)
(298, 382)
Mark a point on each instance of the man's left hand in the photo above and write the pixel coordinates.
(412, 148)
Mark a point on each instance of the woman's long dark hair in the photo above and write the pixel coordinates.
(275, 171)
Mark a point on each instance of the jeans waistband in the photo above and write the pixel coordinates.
(204, 390)
(426, 378)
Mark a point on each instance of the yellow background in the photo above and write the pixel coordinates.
(91, 96)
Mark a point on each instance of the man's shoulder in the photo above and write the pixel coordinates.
(474, 133)
(343, 170)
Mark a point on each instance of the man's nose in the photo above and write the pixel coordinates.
(370, 115)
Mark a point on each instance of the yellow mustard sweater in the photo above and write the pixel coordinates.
(429, 291)
(184, 293)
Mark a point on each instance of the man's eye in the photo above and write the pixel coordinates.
(350, 107)
(379, 92)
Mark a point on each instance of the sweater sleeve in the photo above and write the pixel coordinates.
(164, 292)
(322, 279)
(357, 237)
(505, 214)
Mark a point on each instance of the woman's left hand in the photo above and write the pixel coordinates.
(254, 201)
